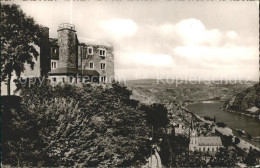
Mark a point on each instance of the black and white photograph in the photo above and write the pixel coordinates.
(130, 83)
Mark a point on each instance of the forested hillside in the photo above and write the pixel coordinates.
(244, 100)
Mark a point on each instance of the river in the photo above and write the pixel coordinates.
(233, 120)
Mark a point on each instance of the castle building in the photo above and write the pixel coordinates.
(79, 61)
(66, 59)
(203, 143)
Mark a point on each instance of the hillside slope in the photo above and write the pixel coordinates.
(244, 100)
(149, 91)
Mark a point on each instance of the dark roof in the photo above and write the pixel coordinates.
(73, 71)
(209, 141)
(53, 41)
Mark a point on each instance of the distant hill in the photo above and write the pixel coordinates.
(245, 100)
(150, 90)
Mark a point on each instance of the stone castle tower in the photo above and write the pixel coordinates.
(68, 43)
(92, 60)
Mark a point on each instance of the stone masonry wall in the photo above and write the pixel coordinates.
(97, 59)
(45, 52)
(67, 40)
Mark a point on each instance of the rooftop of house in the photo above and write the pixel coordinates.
(209, 141)
(53, 41)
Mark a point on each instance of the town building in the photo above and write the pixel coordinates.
(203, 143)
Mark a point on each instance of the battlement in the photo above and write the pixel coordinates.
(66, 26)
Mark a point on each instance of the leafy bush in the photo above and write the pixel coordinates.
(221, 124)
(85, 126)
(252, 158)
(208, 118)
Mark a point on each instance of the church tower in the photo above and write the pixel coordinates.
(68, 42)
(193, 132)
(213, 126)
(193, 136)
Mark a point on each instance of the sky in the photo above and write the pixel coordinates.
(164, 39)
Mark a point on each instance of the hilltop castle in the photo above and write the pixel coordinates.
(70, 58)
(66, 59)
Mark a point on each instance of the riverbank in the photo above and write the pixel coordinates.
(242, 113)
(227, 131)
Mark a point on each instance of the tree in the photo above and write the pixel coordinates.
(156, 115)
(249, 136)
(223, 158)
(221, 124)
(237, 140)
(227, 140)
(87, 126)
(19, 35)
(252, 157)
(21, 144)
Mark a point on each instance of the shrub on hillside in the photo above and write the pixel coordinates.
(87, 126)
(208, 118)
(221, 124)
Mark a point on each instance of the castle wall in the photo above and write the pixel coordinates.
(85, 59)
(54, 51)
(45, 52)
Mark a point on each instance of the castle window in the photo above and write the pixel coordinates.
(90, 50)
(102, 52)
(53, 65)
(103, 78)
(102, 66)
(54, 79)
(91, 65)
(71, 79)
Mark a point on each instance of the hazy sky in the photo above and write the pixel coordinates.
(165, 38)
